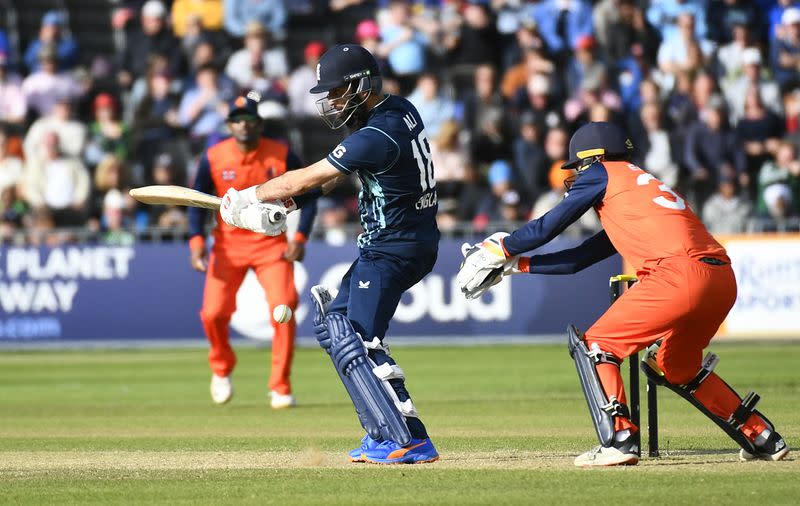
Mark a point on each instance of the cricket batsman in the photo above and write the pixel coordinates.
(686, 288)
(240, 161)
(388, 149)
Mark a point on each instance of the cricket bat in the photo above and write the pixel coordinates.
(182, 196)
(176, 196)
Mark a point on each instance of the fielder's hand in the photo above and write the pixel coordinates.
(199, 259)
(295, 251)
(483, 265)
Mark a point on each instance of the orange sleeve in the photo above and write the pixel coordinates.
(197, 242)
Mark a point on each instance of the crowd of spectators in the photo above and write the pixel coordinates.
(708, 89)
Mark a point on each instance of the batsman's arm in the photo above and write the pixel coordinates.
(297, 182)
(307, 201)
(368, 149)
(589, 189)
(572, 260)
(196, 215)
(333, 183)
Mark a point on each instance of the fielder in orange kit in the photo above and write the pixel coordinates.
(241, 161)
(686, 289)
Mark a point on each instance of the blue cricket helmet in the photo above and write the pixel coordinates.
(598, 139)
(344, 64)
(351, 66)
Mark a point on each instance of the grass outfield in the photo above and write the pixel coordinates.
(139, 426)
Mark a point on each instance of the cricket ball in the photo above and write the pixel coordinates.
(282, 313)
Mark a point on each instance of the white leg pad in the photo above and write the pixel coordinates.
(388, 372)
(376, 344)
(407, 408)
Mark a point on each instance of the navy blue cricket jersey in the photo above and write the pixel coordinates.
(392, 158)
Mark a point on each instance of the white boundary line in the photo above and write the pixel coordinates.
(310, 342)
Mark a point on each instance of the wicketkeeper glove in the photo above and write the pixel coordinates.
(485, 264)
(517, 265)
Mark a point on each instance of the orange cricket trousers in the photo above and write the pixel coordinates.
(683, 302)
(225, 274)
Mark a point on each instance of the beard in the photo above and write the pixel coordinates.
(246, 137)
(358, 119)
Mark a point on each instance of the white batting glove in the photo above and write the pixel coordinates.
(483, 265)
(264, 218)
(243, 210)
(248, 195)
(234, 201)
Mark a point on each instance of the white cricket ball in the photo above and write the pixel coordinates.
(282, 313)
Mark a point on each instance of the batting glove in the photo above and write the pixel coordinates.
(233, 202)
(263, 218)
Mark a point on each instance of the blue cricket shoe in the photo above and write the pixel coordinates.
(417, 451)
(367, 443)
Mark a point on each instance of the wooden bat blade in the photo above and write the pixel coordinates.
(175, 195)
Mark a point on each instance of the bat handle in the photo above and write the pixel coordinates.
(276, 216)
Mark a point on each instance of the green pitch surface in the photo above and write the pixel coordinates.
(139, 427)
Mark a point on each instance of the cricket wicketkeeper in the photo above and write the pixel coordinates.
(686, 289)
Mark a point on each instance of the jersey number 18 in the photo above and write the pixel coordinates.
(422, 154)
